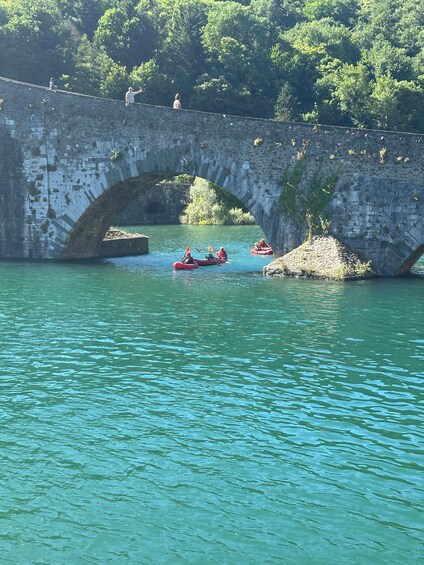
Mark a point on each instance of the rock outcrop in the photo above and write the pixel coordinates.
(323, 257)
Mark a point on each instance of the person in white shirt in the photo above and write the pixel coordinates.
(129, 95)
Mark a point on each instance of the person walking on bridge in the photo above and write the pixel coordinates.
(129, 96)
(177, 103)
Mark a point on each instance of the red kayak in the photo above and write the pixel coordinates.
(209, 262)
(185, 266)
(262, 251)
(206, 262)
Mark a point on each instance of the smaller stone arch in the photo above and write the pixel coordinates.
(87, 234)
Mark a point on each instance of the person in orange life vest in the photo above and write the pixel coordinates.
(222, 254)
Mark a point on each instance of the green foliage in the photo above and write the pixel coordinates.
(158, 88)
(385, 59)
(310, 206)
(343, 11)
(290, 187)
(35, 43)
(347, 89)
(317, 200)
(338, 62)
(220, 95)
(209, 204)
(114, 81)
(128, 36)
(237, 217)
(203, 207)
(277, 15)
(115, 155)
(84, 14)
(182, 53)
(86, 76)
(324, 40)
(397, 105)
(286, 105)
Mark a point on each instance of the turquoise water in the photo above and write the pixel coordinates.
(214, 416)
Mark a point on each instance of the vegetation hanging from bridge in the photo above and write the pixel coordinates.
(308, 205)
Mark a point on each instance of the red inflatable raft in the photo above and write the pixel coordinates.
(262, 251)
(185, 266)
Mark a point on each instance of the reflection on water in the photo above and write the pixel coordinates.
(215, 416)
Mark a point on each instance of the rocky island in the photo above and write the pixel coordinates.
(322, 257)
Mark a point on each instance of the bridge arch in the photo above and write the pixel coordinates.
(140, 176)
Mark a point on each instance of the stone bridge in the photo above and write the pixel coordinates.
(70, 163)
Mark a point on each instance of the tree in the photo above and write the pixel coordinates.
(203, 207)
(158, 88)
(397, 105)
(127, 36)
(277, 15)
(211, 204)
(386, 59)
(182, 56)
(84, 14)
(344, 92)
(237, 57)
(343, 11)
(324, 40)
(35, 43)
(114, 80)
(286, 106)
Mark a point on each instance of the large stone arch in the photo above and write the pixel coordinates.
(136, 176)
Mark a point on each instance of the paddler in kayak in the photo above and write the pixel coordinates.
(261, 244)
(188, 259)
(222, 254)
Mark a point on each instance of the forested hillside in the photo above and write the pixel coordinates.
(345, 62)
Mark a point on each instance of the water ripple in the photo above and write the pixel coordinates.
(149, 417)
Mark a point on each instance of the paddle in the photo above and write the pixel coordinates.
(210, 249)
(200, 251)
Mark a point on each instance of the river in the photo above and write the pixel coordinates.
(216, 416)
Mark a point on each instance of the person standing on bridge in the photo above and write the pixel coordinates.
(177, 103)
(129, 95)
